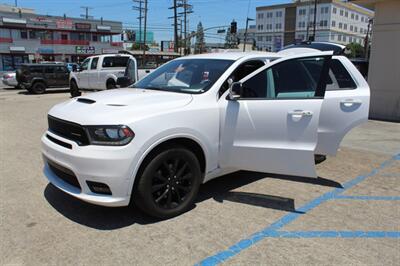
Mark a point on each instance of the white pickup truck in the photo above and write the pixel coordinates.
(101, 72)
(199, 117)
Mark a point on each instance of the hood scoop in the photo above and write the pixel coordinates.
(85, 100)
(115, 104)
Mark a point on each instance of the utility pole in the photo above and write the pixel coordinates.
(245, 33)
(139, 7)
(366, 40)
(315, 20)
(175, 17)
(187, 9)
(145, 31)
(86, 15)
(16, 2)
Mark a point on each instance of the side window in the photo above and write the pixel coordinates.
(93, 65)
(36, 69)
(85, 64)
(240, 72)
(296, 78)
(340, 77)
(61, 69)
(49, 70)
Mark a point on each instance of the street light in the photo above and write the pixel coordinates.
(245, 33)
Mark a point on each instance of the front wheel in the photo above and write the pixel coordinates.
(111, 85)
(74, 90)
(38, 88)
(169, 184)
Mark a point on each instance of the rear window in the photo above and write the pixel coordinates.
(115, 61)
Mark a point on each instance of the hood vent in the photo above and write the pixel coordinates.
(85, 100)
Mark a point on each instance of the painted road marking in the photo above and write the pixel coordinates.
(389, 198)
(272, 230)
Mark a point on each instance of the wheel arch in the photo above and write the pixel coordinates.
(38, 80)
(191, 143)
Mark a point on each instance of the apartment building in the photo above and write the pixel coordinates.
(336, 21)
(29, 37)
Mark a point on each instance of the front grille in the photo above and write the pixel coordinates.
(68, 130)
(64, 174)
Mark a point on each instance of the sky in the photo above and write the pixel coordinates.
(210, 12)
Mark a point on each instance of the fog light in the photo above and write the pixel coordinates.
(99, 188)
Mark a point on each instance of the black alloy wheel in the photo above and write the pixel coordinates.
(169, 183)
(38, 88)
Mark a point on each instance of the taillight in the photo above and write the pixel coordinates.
(7, 76)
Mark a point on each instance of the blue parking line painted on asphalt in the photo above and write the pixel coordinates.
(388, 198)
(272, 230)
(339, 234)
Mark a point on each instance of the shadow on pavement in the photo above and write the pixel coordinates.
(50, 91)
(220, 189)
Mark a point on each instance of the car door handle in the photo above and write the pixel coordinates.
(350, 102)
(300, 113)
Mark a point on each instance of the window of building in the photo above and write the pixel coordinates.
(344, 38)
(339, 37)
(340, 25)
(259, 38)
(262, 27)
(95, 38)
(334, 10)
(332, 37)
(64, 36)
(351, 27)
(24, 34)
(355, 29)
(269, 15)
(325, 23)
(278, 26)
(32, 34)
(278, 14)
(268, 38)
(333, 23)
(345, 26)
(350, 39)
(352, 15)
(346, 14)
(302, 12)
(341, 12)
(362, 19)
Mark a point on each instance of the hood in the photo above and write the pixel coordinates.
(118, 106)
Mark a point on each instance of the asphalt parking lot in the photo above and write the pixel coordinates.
(349, 215)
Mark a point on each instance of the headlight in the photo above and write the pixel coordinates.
(110, 135)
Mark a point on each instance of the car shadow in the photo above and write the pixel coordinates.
(48, 91)
(220, 189)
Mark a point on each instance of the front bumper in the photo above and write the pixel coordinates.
(112, 166)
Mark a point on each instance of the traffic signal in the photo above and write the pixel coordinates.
(233, 27)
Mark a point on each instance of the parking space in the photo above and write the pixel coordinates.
(349, 215)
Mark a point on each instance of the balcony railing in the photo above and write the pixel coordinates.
(6, 40)
(65, 42)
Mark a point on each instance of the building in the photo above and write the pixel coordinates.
(336, 21)
(28, 37)
(384, 64)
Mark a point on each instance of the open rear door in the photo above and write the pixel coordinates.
(273, 126)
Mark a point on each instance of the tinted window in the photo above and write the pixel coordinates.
(341, 75)
(36, 69)
(297, 78)
(49, 70)
(61, 69)
(112, 61)
(93, 65)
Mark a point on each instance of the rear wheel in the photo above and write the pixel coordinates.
(169, 184)
(38, 88)
(111, 84)
(74, 90)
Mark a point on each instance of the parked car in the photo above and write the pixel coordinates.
(199, 117)
(36, 78)
(72, 66)
(100, 72)
(10, 80)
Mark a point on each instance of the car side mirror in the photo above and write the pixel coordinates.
(74, 68)
(235, 91)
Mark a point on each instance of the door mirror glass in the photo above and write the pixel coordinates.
(235, 91)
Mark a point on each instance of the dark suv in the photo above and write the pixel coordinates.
(36, 78)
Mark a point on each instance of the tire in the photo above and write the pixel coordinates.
(38, 88)
(74, 90)
(111, 85)
(169, 183)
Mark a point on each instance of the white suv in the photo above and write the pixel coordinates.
(101, 72)
(200, 117)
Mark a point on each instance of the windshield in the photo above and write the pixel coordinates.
(185, 75)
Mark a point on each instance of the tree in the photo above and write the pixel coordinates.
(200, 45)
(356, 50)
